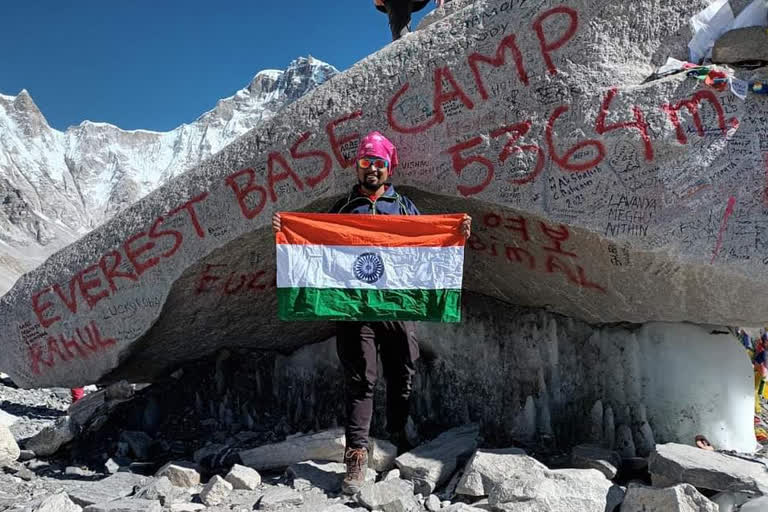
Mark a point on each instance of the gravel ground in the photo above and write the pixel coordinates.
(34, 408)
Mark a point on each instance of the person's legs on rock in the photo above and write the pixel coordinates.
(399, 352)
(356, 347)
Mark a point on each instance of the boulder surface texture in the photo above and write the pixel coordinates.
(603, 197)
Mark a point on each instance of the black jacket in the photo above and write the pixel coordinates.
(417, 5)
(389, 203)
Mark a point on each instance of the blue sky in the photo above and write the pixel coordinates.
(156, 64)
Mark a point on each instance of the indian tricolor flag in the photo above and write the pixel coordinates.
(369, 267)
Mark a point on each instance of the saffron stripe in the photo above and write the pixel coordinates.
(373, 230)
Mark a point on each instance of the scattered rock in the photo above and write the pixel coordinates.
(327, 445)
(7, 419)
(487, 468)
(589, 456)
(392, 474)
(461, 507)
(277, 497)
(242, 477)
(433, 503)
(748, 44)
(323, 475)
(672, 464)
(25, 473)
(562, 490)
(26, 455)
(111, 466)
(126, 505)
(394, 495)
(187, 507)
(383, 454)
(431, 464)
(680, 498)
(9, 450)
(111, 488)
(756, 505)
(730, 501)
(338, 507)
(51, 438)
(180, 474)
(139, 443)
(215, 491)
(162, 490)
(58, 503)
(78, 471)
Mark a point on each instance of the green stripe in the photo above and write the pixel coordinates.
(369, 305)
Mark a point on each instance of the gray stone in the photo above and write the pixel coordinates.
(216, 491)
(277, 497)
(431, 464)
(25, 455)
(78, 471)
(748, 44)
(327, 445)
(680, 498)
(337, 507)
(461, 507)
(59, 502)
(322, 475)
(588, 456)
(108, 489)
(162, 490)
(433, 503)
(756, 505)
(111, 466)
(126, 505)
(672, 464)
(7, 419)
(139, 442)
(187, 507)
(392, 474)
(730, 501)
(391, 496)
(51, 438)
(181, 474)
(563, 490)
(488, 468)
(9, 450)
(242, 477)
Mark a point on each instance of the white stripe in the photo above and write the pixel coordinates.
(404, 268)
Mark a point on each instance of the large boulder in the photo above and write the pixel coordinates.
(597, 196)
(489, 468)
(680, 498)
(672, 464)
(561, 490)
(432, 463)
(9, 449)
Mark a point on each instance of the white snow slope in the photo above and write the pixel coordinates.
(56, 186)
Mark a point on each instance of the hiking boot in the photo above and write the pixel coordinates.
(356, 460)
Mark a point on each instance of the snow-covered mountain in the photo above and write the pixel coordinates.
(56, 186)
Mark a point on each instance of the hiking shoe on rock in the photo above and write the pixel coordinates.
(356, 460)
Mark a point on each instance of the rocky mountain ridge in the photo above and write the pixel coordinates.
(56, 186)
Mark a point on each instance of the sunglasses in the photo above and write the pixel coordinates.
(376, 163)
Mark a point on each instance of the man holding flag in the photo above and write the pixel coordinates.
(362, 339)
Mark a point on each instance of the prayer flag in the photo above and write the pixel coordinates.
(369, 267)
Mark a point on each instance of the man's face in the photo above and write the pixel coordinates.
(375, 175)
